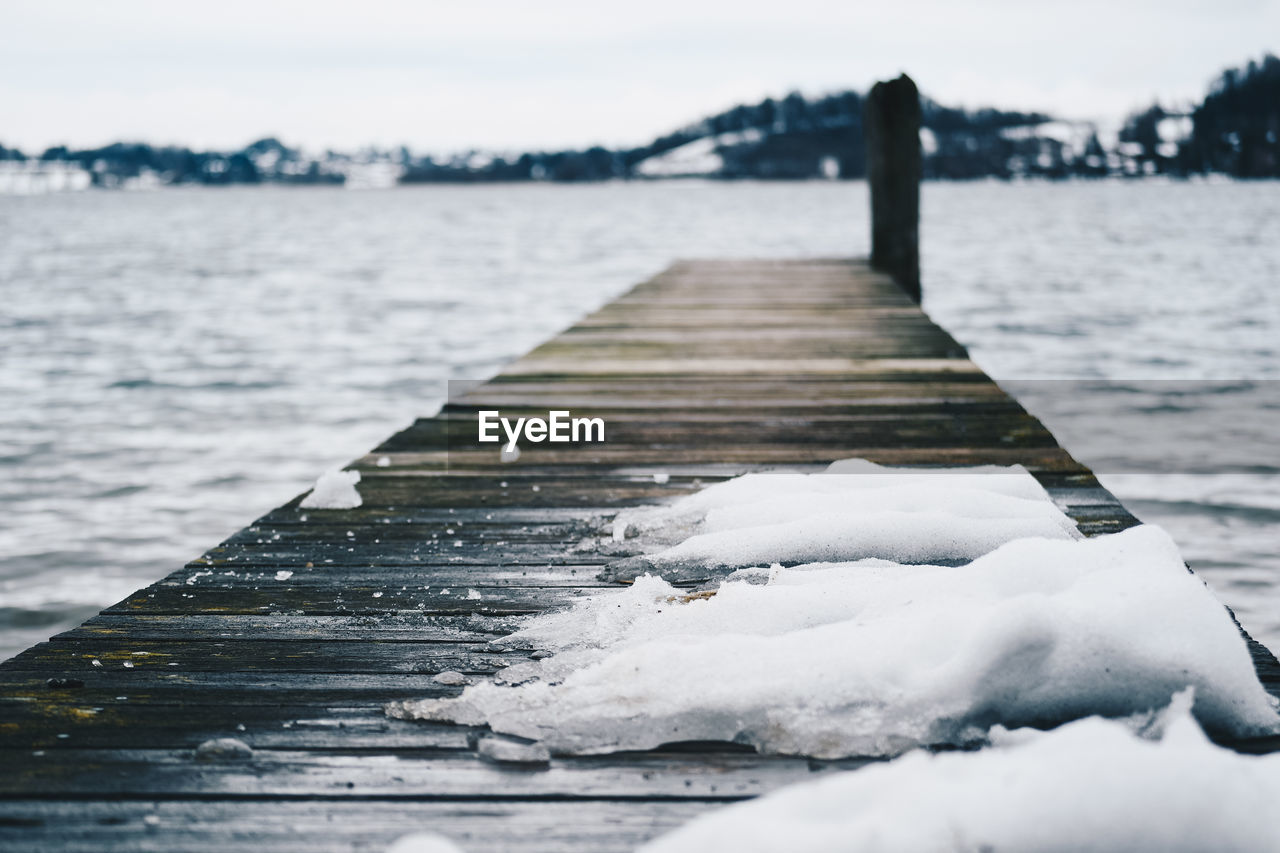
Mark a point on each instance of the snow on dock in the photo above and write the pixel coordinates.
(872, 658)
(1090, 785)
(281, 649)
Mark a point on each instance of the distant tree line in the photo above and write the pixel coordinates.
(1237, 126)
(120, 162)
(1235, 130)
(787, 138)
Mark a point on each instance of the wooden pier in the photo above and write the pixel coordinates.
(706, 371)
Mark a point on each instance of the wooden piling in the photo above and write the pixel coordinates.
(891, 124)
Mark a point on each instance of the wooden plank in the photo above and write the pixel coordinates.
(410, 626)
(24, 689)
(782, 365)
(403, 774)
(329, 826)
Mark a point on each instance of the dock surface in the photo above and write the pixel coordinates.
(708, 370)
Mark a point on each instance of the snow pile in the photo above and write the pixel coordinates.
(854, 510)
(779, 488)
(334, 490)
(1088, 786)
(874, 658)
(423, 842)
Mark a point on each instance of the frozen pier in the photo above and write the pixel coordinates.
(293, 635)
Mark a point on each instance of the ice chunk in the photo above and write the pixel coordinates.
(224, 749)
(843, 476)
(959, 501)
(503, 751)
(1090, 785)
(905, 537)
(423, 842)
(855, 509)
(1013, 480)
(872, 658)
(334, 490)
(450, 677)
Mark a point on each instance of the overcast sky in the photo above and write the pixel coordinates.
(443, 76)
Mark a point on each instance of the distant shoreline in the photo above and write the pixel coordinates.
(689, 181)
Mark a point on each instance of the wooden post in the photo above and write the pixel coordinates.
(891, 128)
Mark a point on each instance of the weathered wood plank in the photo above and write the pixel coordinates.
(360, 601)
(75, 657)
(310, 826)
(781, 365)
(401, 775)
(410, 626)
(169, 687)
(489, 490)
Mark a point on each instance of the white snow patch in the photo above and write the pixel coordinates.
(1175, 129)
(1073, 135)
(928, 142)
(1091, 785)
(901, 535)
(224, 749)
(451, 678)
(855, 509)
(334, 490)
(504, 751)
(423, 842)
(778, 488)
(700, 157)
(874, 658)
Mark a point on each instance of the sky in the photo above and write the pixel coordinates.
(546, 74)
